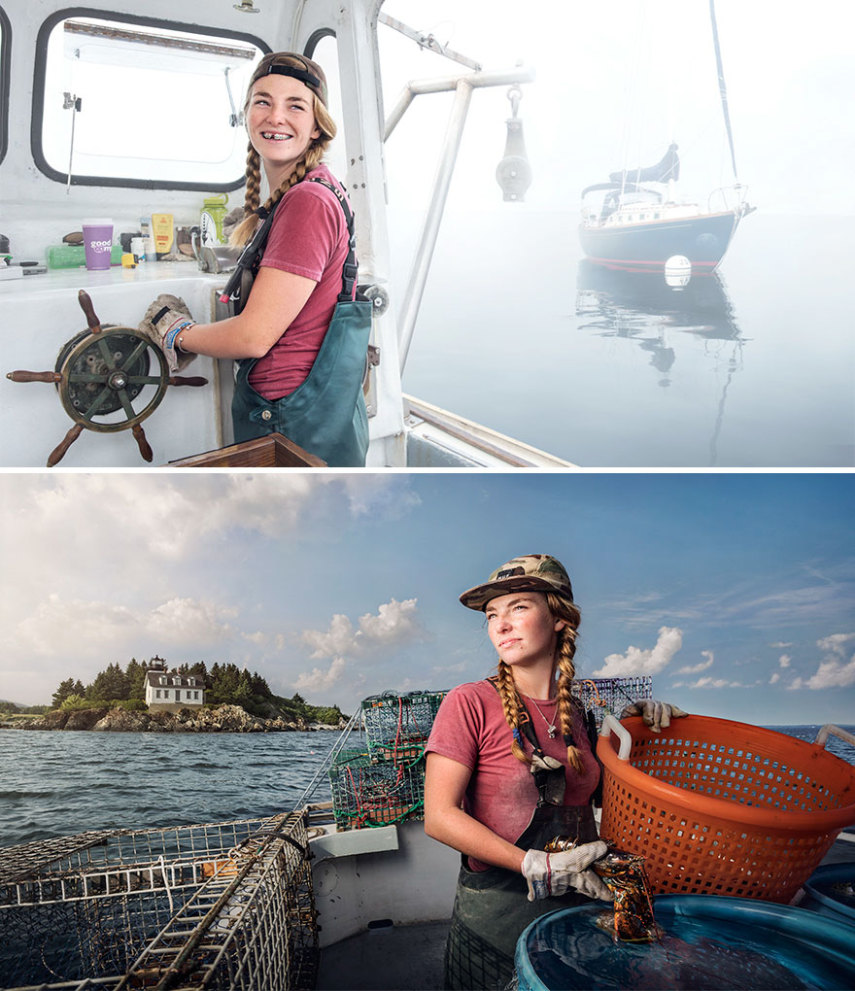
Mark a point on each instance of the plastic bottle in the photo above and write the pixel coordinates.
(211, 221)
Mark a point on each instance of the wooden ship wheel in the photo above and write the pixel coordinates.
(104, 371)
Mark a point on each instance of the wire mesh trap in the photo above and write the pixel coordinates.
(220, 905)
(610, 695)
(382, 781)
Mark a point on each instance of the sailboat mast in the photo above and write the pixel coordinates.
(722, 88)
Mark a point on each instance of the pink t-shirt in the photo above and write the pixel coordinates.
(309, 238)
(470, 728)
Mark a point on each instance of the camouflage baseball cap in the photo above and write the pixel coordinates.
(530, 573)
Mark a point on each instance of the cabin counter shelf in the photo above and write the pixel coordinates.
(40, 314)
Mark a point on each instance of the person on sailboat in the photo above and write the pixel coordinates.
(510, 767)
(298, 332)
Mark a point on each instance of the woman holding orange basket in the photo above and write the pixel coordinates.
(511, 768)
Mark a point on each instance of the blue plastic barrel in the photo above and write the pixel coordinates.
(831, 891)
(707, 942)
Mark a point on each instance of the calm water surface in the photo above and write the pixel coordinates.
(57, 783)
(754, 367)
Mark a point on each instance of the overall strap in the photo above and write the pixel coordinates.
(349, 270)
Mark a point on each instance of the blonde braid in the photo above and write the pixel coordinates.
(511, 707)
(252, 196)
(566, 651)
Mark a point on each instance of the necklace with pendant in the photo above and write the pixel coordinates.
(551, 729)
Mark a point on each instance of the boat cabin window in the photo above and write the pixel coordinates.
(4, 83)
(138, 102)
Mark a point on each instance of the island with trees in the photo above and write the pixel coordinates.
(236, 700)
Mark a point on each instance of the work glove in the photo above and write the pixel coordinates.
(656, 715)
(554, 874)
(164, 320)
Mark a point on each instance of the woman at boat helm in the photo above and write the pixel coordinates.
(510, 767)
(287, 381)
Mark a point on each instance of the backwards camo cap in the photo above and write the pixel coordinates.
(530, 573)
(296, 66)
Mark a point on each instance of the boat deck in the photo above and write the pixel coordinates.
(387, 958)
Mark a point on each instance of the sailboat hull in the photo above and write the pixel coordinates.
(645, 246)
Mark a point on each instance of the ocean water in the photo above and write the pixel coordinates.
(57, 783)
(754, 367)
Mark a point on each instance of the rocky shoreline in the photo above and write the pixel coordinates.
(224, 719)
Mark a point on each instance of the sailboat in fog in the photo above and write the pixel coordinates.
(634, 222)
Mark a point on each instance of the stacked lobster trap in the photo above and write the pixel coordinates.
(382, 781)
(221, 905)
(602, 696)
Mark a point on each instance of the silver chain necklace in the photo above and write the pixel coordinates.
(551, 728)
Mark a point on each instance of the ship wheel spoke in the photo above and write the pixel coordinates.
(92, 409)
(135, 355)
(122, 395)
(107, 354)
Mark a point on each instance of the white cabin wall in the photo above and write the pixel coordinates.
(36, 211)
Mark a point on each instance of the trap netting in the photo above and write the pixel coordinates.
(610, 695)
(220, 905)
(382, 782)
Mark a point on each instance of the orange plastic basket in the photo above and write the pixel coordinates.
(724, 808)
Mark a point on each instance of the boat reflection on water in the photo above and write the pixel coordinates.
(643, 308)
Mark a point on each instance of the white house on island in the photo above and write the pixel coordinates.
(170, 690)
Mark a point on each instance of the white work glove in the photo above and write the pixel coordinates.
(554, 874)
(656, 715)
(164, 320)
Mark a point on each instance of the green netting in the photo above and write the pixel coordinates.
(370, 790)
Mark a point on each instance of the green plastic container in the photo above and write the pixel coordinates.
(74, 255)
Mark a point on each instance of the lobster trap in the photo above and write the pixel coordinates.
(609, 695)
(222, 906)
(371, 791)
(397, 726)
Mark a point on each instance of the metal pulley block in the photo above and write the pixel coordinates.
(513, 172)
(377, 296)
(103, 371)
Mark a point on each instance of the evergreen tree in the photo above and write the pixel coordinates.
(65, 689)
(135, 674)
(112, 683)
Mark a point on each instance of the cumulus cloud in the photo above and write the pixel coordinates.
(836, 643)
(394, 623)
(183, 621)
(785, 660)
(317, 679)
(340, 638)
(835, 670)
(640, 661)
(776, 677)
(703, 666)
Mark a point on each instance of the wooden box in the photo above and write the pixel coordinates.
(272, 451)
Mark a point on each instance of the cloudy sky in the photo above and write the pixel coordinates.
(616, 80)
(735, 591)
